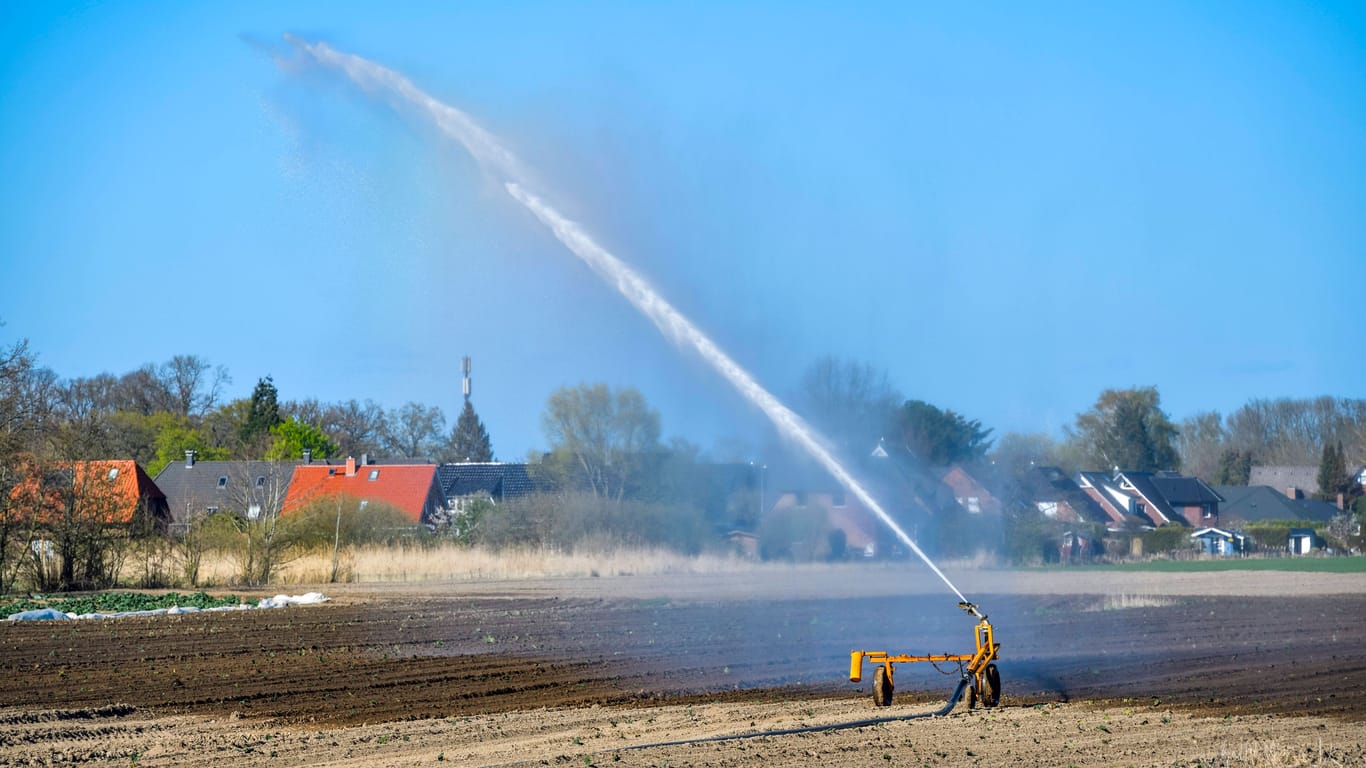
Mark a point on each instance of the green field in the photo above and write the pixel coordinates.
(1355, 564)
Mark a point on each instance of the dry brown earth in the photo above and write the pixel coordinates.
(1231, 668)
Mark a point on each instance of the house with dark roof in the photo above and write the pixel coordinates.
(1057, 497)
(248, 489)
(410, 488)
(495, 481)
(1259, 503)
(1152, 499)
(1118, 505)
(1188, 498)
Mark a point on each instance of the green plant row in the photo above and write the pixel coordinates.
(116, 602)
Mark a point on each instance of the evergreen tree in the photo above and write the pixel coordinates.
(1235, 467)
(1332, 471)
(264, 412)
(940, 437)
(469, 441)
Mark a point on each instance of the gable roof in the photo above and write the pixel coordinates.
(410, 488)
(496, 479)
(1217, 533)
(1255, 503)
(1283, 476)
(1156, 508)
(193, 488)
(1184, 491)
(1105, 491)
(115, 488)
(1048, 484)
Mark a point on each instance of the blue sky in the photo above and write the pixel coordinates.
(1009, 210)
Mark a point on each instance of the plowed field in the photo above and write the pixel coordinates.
(497, 673)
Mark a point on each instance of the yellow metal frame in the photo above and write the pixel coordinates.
(974, 664)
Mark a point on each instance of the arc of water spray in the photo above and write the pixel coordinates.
(676, 327)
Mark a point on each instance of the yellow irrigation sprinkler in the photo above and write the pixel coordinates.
(977, 670)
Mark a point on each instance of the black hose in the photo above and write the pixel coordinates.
(944, 710)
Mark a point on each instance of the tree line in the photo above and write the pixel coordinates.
(156, 413)
(612, 475)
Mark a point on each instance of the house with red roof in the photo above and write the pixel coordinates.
(113, 492)
(412, 489)
(970, 494)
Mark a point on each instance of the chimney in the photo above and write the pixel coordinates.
(365, 459)
(350, 466)
(1292, 492)
(189, 459)
(308, 455)
(1342, 503)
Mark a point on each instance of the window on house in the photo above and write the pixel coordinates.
(211, 510)
(1209, 511)
(363, 503)
(113, 473)
(222, 482)
(374, 474)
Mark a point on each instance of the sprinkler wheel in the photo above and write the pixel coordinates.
(882, 687)
(991, 694)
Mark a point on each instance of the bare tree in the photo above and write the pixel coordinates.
(76, 509)
(192, 384)
(256, 535)
(1287, 431)
(308, 411)
(143, 391)
(606, 437)
(415, 430)
(1201, 443)
(356, 428)
(851, 403)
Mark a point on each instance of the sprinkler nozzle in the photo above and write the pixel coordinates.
(972, 609)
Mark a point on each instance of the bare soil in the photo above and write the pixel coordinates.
(1098, 669)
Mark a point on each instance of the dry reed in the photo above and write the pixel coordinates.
(446, 562)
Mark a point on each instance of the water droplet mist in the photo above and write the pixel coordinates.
(505, 167)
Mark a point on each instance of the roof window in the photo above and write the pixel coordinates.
(374, 474)
(261, 481)
(222, 482)
(113, 474)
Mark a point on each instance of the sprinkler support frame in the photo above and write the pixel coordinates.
(978, 668)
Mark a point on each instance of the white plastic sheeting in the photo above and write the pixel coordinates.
(279, 601)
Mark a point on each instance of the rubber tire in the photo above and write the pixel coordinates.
(991, 695)
(882, 688)
(972, 695)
